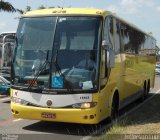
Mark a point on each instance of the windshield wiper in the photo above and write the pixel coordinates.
(41, 69)
(58, 69)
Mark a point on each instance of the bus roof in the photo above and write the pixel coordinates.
(78, 11)
(73, 11)
(9, 32)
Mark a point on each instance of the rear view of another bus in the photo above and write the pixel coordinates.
(7, 42)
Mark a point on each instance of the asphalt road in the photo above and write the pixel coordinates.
(21, 129)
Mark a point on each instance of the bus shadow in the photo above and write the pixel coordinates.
(96, 130)
(137, 114)
(7, 102)
(65, 128)
(146, 113)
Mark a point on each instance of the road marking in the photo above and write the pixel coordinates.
(11, 120)
(3, 123)
(2, 96)
(158, 91)
(109, 125)
(5, 99)
(7, 121)
(16, 120)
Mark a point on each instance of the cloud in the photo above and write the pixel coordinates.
(129, 6)
(112, 8)
(133, 7)
(158, 8)
(3, 25)
(147, 3)
(136, 6)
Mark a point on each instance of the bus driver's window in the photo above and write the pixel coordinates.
(108, 38)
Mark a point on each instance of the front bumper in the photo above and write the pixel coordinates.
(69, 115)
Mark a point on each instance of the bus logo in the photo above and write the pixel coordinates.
(49, 103)
(16, 93)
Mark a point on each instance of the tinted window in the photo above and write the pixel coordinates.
(117, 37)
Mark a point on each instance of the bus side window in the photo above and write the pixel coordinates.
(117, 36)
(108, 37)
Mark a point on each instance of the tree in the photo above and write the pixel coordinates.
(20, 11)
(28, 8)
(51, 7)
(42, 7)
(6, 6)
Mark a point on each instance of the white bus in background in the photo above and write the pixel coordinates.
(7, 43)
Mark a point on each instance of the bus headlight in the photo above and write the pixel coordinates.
(19, 101)
(85, 105)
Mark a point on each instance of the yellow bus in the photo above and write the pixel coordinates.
(50, 80)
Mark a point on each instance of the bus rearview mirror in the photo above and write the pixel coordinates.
(106, 45)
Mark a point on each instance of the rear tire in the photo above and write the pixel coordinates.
(148, 88)
(144, 95)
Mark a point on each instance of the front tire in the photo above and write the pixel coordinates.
(114, 108)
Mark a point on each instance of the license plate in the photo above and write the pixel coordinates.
(48, 115)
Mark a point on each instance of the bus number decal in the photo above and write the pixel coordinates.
(84, 97)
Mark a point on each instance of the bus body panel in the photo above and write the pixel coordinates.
(72, 115)
(38, 99)
(61, 115)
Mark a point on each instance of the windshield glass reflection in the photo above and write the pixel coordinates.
(57, 52)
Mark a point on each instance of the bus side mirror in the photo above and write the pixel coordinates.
(106, 45)
(110, 54)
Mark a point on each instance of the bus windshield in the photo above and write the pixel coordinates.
(57, 53)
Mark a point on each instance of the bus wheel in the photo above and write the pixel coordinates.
(144, 92)
(148, 87)
(114, 107)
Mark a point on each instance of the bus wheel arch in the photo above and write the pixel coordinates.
(114, 105)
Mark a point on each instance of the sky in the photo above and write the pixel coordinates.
(145, 14)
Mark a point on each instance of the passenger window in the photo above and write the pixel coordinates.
(108, 31)
(117, 37)
(108, 37)
(127, 45)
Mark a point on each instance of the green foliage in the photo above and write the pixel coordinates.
(6, 6)
(51, 7)
(28, 8)
(42, 7)
(20, 11)
(118, 126)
